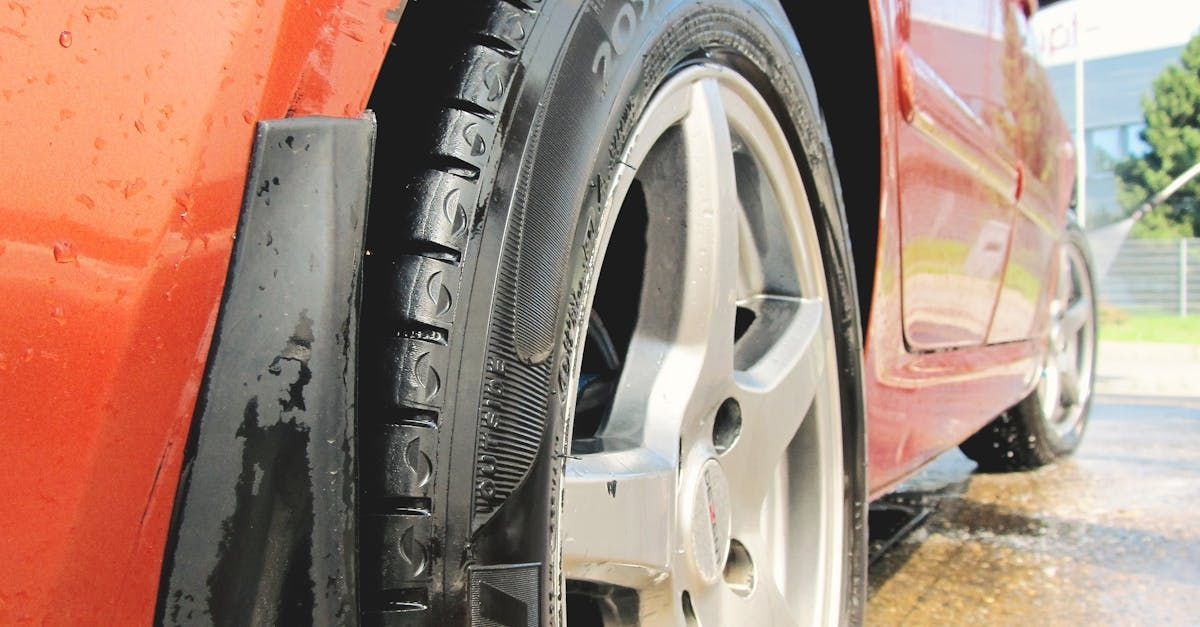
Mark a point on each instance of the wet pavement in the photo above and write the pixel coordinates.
(1108, 536)
(1149, 369)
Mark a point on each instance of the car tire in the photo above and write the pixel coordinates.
(1049, 423)
(502, 129)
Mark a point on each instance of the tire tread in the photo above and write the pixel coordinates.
(1007, 444)
(420, 274)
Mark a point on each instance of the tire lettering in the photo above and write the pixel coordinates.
(602, 60)
(489, 421)
(623, 28)
(621, 34)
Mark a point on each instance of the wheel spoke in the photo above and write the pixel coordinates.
(618, 509)
(1066, 284)
(1069, 384)
(775, 396)
(1076, 316)
(711, 255)
(680, 359)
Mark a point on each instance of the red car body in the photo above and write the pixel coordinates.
(125, 132)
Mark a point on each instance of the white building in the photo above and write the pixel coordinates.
(1124, 45)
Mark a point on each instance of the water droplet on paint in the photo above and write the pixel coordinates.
(63, 252)
(64, 39)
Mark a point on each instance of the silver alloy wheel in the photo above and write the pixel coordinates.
(1065, 384)
(748, 529)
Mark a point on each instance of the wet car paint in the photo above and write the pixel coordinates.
(126, 129)
(923, 402)
(1099, 538)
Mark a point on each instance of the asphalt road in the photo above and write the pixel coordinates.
(1106, 537)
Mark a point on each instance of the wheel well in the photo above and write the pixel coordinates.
(844, 72)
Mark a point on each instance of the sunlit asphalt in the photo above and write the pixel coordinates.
(1107, 537)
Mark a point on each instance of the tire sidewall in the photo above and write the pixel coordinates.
(591, 68)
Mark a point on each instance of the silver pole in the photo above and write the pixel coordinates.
(1166, 192)
(1183, 269)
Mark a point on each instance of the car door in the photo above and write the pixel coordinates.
(1034, 131)
(957, 178)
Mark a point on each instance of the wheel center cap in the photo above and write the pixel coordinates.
(710, 521)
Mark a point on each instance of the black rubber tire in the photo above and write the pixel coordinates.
(480, 236)
(1022, 438)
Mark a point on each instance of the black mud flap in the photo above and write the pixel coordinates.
(263, 530)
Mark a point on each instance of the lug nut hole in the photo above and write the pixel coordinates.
(739, 569)
(689, 612)
(727, 425)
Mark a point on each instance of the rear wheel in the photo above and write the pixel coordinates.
(616, 356)
(1049, 423)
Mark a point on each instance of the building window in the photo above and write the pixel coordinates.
(1134, 144)
(1110, 145)
(1104, 148)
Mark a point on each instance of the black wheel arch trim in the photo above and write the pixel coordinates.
(264, 524)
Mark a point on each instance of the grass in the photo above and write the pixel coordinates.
(1150, 328)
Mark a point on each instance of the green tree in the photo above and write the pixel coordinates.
(1172, 114)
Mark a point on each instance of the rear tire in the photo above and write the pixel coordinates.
(1049, 423)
